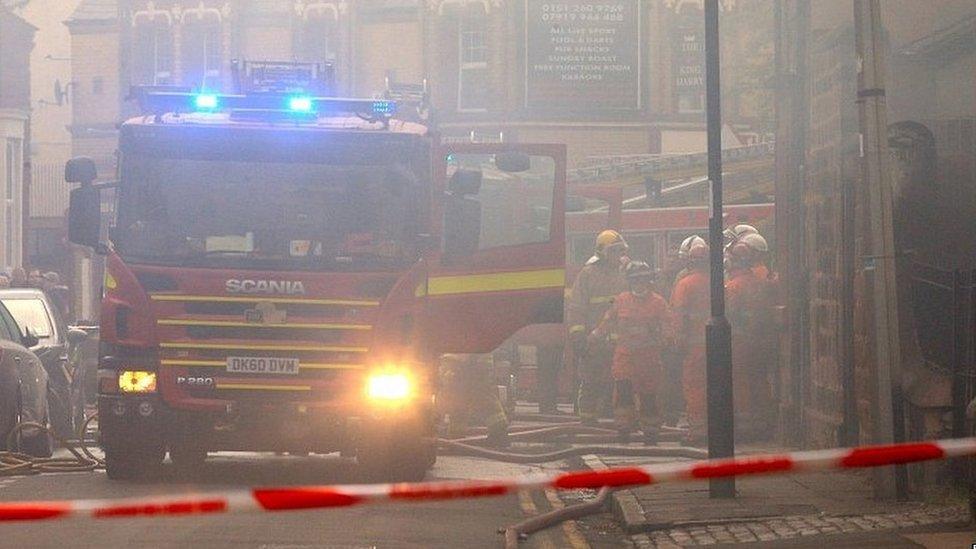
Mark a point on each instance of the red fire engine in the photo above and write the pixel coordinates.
(284, 269)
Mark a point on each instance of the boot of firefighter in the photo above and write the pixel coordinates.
(497, 426)
(588, 404)
(650, 418)
(624, 408)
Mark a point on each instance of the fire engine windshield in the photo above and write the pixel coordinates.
(267, 214)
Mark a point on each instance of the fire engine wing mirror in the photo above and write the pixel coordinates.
(465, 183)
(85, 216)
(76, 336)
(80, 169)
(513, 162)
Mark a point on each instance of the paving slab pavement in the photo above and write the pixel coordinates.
(772, 509)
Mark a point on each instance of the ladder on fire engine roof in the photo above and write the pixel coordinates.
(608, 169)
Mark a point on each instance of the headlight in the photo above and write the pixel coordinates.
(136, 381)
(389, 387)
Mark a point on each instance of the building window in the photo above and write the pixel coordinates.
(317, 41)
(472, 62)
(202, 55)
(153, 55)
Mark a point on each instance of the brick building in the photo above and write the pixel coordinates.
(16, 42)
(930, 83)
(604, 77)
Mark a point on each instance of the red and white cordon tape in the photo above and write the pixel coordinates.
(320, 497)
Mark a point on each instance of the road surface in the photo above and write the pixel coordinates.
(464, 523)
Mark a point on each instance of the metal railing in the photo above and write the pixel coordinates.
(944, 306)
(49, 192)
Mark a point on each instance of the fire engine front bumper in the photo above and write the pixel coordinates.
(279, 427)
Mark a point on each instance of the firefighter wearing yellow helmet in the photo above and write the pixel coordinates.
(592, 294)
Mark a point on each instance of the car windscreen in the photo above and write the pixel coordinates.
(267, 214)
(8, 326)
(31, 313)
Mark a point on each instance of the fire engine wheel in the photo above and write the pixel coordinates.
(130, 460)
(400, 457)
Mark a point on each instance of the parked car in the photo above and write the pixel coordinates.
(23, 387)
(34, 309)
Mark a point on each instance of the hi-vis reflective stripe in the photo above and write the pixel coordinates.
(601, 299)
(259, 387)
(221, 364)
(245, 346)
(242, 299)
(238, 324)
(496, 282)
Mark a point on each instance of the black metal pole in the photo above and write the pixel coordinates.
(850, 428)
(718, 334)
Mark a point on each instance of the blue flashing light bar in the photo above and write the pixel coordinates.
(161, 102)
(206, 102)
(300, 104)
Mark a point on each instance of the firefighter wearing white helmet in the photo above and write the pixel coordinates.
(593, 291)
(734, 234)
(684, 255)
(751, 293)
(759, 250)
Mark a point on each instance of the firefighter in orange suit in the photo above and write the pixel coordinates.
(767, 324)
(746, 294)
(590, 298)
(691, 306)
(640, 322)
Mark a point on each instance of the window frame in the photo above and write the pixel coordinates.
(466, 19)
(200, 63)
(152, 69)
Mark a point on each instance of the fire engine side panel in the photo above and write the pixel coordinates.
(476, 302)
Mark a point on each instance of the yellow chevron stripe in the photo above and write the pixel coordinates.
(256, 387)
(496, 282)
(238, 324)
(241, 299)
(235, 346)
(301, 366)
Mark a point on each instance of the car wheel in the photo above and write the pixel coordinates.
(40, 445)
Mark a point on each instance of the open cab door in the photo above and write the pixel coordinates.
(500, 210)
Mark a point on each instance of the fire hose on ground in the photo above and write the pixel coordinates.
(564, 433)
(450, 447)
(14, 463)
(522, 530)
